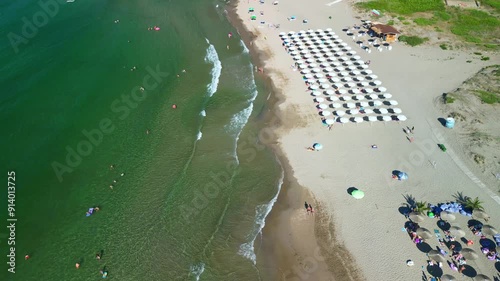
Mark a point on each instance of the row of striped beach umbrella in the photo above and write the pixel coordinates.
(335, 73)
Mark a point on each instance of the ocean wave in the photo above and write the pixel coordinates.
(245, 49)
(203, 113)
(196, 270)
(213, 58)
(199, 135)
(247, 249)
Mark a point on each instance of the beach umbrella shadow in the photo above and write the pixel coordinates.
(435, 270)
(404, 210)
(443, 225)
(458, 246)
(442, 121)
(473, 222)
(424, 247)
(350, 190)
(487, 243)
(469, 271)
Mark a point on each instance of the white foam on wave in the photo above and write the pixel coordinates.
(198, 137)
(197, 270)
(213, 58)
(247, 249)
(240, 119)
(203, 113)
(245, 49)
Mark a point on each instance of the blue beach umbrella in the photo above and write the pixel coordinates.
(318, 146)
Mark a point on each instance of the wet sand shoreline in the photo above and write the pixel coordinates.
(290, 249)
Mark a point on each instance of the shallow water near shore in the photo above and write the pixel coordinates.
(195, 191)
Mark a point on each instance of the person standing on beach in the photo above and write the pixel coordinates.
(308, 208)
(306, 205)
(311, 209)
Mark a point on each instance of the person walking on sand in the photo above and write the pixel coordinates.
(306, 205)
(308, 208)
(311, 209)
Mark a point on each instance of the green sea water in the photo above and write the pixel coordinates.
(195, 190)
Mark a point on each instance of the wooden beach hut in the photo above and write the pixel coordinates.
(386, 32)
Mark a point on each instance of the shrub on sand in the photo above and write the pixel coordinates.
(412, 40)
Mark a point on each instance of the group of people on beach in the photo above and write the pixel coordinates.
(309, 208)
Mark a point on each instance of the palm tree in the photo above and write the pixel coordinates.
(474, 204)
(421, 207)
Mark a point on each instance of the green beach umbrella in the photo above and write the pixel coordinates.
(253, 17)
(358, 194)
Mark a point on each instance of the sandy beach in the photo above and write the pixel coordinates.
(349, 239)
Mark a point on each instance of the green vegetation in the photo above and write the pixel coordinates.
(450, 99)
(424, 21)
(442, 15)
(477, 53)
(421, 207)
(443, 46)
(412, 40)
(495, 4)
(487, 97)
(391, 22)
(474, 204)
(496, 72)
(404, 7)
(483, 58)
(470, 24)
